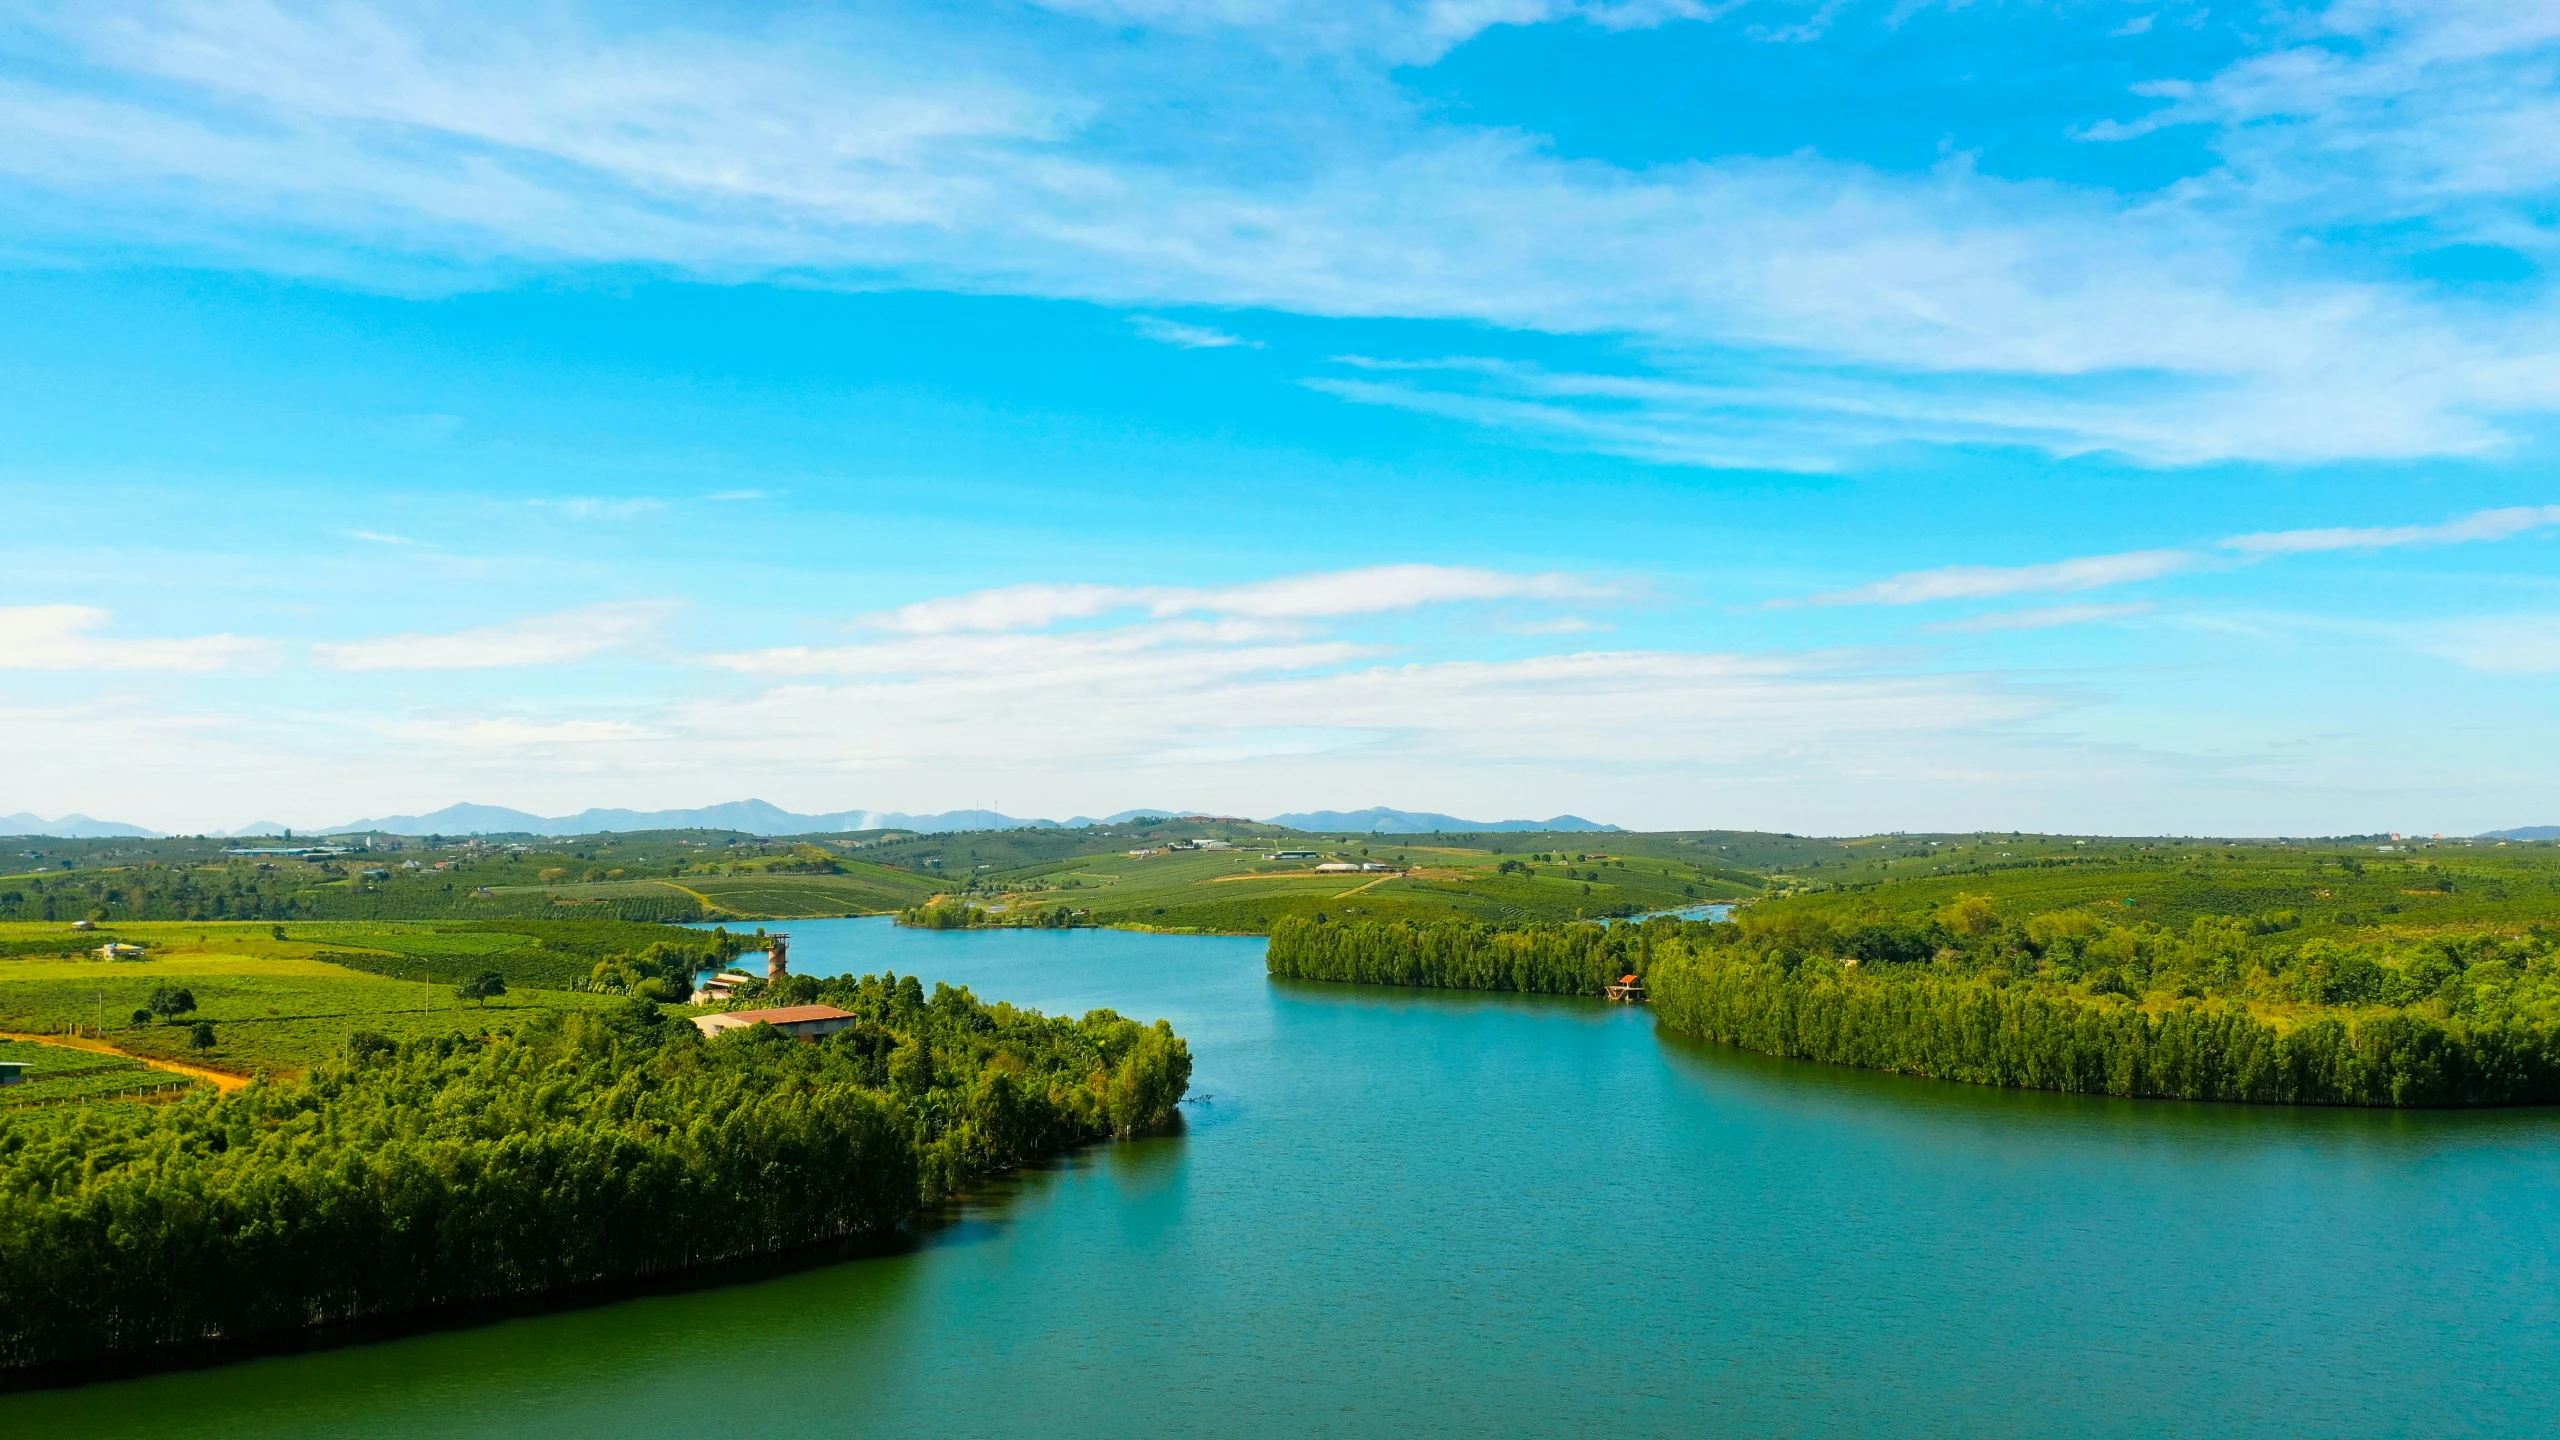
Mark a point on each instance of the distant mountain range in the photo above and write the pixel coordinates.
(70, 827)
(1379, 820)
(2528, 832)
(754, 817)
(757, 817)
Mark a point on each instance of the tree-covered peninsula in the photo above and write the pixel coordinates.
(581, 1146)
(2189, 985)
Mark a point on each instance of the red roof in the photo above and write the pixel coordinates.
(790, 1014)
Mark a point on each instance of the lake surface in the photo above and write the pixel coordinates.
(1401, 1212)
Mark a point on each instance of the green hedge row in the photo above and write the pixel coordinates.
(1977, 1031)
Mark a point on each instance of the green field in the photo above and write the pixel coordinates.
(552, 953)
(273, 1005)
(666, 878)
(2323, 888)
(57, 1075)
(697, 876)
(768, 895)
(1246, 891)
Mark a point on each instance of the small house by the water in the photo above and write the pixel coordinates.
(800, 1022)
(1629, 990)
(722, 986)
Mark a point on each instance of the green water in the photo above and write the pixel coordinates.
(1400, 1212)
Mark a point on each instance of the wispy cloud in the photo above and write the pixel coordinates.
(1375, 590)
(734, 495)
(555, 639)
(2046, 617)
(2370, 110)
(599, 507)
(379, 538)
(2093, 572)
(2481, 525)
(2175, 327)
(63, 637)
(1188, 337)
(503, 734)
(2498, 644)
(1989, 582)
(1151, 693)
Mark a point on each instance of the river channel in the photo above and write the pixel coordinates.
(1398, 1212)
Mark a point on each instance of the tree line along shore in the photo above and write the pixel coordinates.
(471, 1107)
(2412, 981)
(485, 1114)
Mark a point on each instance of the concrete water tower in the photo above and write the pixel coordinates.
(777, 957)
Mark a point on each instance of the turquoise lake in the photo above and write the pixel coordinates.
(1397, 1212)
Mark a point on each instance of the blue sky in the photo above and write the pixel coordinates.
(1813, 416)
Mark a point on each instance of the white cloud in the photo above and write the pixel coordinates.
(2385, 109)
(1250, 715)
(1987, 582)
(1405, 32)
(61, 637)
(1375, 590)
(1228, 646)
(2177, 327)
(379, 538)
(598, 507)
(2042, 618)
(2499, 644)
(730, 495)
(540, 640)
(1247, 681)
(1981, 582)
(1188, 337)
(1799, 418)
(513, 735)
(2481, 525)
(1148, 696)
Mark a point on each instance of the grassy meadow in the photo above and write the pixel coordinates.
(57, 1075)
(276, 1006)
(702, 876)
(1246, 891)
(663, 878)
(2318, 888)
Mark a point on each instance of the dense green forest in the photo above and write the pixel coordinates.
(2411, 981)
(577, 1148)
(1458, 955)
(558, 954)
(2475, 1026)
